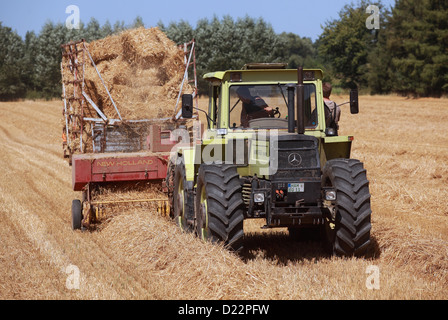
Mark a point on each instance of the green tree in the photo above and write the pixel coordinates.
(93, 31)
(106, 29)
(119, 26)
(180, 32)
(417, 42)
(226, 43)
(138, 22)
(297, 51)
(12, 54)
(259, 42)
(345, 43)
(379, 60)
(47, 68)
(29, 61)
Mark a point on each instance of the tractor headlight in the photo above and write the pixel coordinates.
(330, 195)
(258, 197)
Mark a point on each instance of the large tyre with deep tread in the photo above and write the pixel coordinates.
(348, 222)
(219, 205)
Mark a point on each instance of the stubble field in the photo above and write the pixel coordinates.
(140, 255)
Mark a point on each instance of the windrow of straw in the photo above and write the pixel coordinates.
(115, 199)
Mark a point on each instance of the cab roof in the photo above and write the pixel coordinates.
(270, 73)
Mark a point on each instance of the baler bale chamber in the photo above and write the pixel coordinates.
(119, 162)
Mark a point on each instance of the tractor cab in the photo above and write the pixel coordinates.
(261, 92)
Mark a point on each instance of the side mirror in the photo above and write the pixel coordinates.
(354, 103)
(187, 106)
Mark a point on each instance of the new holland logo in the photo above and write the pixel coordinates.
(295, 159)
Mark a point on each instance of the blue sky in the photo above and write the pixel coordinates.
(304, 18)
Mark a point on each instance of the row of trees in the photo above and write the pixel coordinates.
(407, 53)
(226, 43)
(30, 67)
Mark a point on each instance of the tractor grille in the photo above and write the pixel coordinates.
(298, 156)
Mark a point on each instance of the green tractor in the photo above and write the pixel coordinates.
(270, 151)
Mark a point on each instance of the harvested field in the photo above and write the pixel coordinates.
(138, 254)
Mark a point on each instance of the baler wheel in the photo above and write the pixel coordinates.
(182, 200)
(76, 214)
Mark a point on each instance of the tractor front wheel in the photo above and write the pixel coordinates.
(348, 217)
(219, 205)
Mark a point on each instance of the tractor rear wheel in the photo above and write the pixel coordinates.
(219, 205)
(348, 218)
(76, 214)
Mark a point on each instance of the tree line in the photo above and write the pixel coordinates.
(30, 67)
(407, 53)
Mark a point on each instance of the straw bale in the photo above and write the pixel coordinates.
(117, 195)
(104, 49)
(142, 70)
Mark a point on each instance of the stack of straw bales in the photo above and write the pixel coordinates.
(142, 70)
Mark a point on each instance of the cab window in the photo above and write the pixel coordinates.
(249, 102)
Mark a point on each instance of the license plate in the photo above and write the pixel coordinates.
(296, 187)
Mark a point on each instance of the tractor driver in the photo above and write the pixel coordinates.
(253, 107)
(332, 110)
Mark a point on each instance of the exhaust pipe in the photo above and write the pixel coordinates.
(300, 102)
(291, 95)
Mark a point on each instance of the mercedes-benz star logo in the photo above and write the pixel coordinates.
(295, 159)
